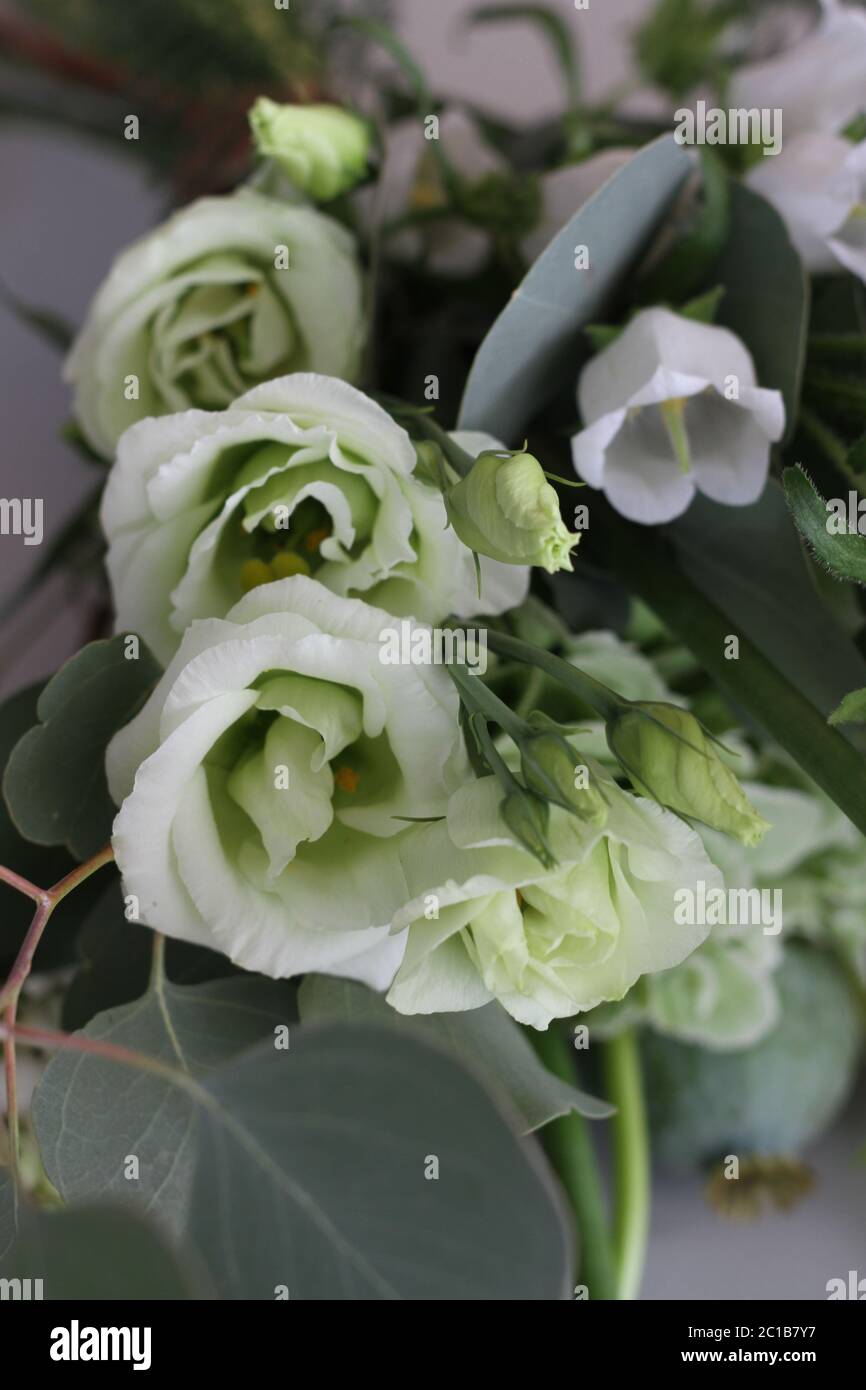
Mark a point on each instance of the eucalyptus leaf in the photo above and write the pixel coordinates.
(680, 270)
(485, 1039)
(43, 866)
(100, 1252)
(55, 782)
(115, 961)
(844, 555)
(748, 561)
(534, 347)
(766, 300)
(92, 1115)
(360, 1165)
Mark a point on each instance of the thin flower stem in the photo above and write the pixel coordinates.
(631, 1162)
(12, 1123)
(531, 693)
(112, 1052)
(22, 885)
(599, 697)
(479, 697)
(46, 900)
(570, 1148)
(836, 345)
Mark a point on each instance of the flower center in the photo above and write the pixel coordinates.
(280, 554)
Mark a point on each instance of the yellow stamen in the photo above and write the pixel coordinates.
(253, 573)
(286, 563)
(347, 779)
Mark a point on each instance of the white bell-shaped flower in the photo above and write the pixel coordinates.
(671, 408)
(818, 185)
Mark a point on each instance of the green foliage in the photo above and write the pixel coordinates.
(277, 1202)
(487, 1039)
(697, 236)
(102, 1253)
(852, 709)
(678, 45)
(41, 865)
(766, 300)
(54, 782)
(116, 960)
(149, 1115)
(844, 555)
(770, 1099)
(533, 347)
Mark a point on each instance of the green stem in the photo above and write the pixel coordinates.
(631, 1161)
(420, 425)
(46, 899)
(835, 345)
(478, 697)
(591, 692)
(531, 693)
(571, 1151)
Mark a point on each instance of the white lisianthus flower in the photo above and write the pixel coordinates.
(671, 408)
(818, 185)
(302, 475)
(546, 944)
(266, 784)
(229, 292)
(819, 83)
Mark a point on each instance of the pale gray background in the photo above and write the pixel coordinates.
(67, 208)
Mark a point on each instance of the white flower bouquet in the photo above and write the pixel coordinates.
(469, 746)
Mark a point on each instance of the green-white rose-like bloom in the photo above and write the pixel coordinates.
(324, 150)
(816, 858)
(304, 474)
(546, 944)
(229, 292)
(725, 996)
(264, 782)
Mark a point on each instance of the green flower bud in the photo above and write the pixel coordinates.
(669, 756)
(526, 818)
(505, 508)
(551, 770)
(324, 150)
